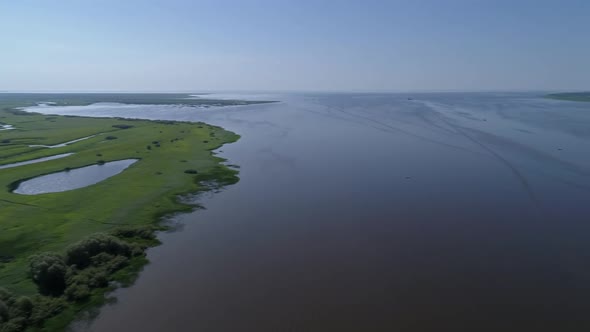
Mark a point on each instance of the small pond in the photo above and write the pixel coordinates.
(6, 127)
(72, 179)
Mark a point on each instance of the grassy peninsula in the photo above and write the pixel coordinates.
(571, 96)
(60, 252)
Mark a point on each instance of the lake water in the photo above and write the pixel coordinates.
(72, 179)
(378, 212)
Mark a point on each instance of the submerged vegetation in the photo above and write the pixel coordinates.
(61, 252)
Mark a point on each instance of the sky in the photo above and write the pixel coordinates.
(299, 45)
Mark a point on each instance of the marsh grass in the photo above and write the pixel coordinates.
(139, 197)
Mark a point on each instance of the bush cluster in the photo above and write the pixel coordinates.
(19, 312)
(82, 253)
(122, 126)
(85, 266)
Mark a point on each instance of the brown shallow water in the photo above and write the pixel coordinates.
(373, 212)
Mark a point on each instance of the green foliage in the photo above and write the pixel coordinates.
(122, 126)
(24, 306)
(32, 225)
(82, 252)
(3, 312)
(18, 313)
(88, 265)
(77, 292)
(142, 232)
(48, 270)
(44, 308)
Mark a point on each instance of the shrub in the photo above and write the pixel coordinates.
(5, 295)
(3, 312)
(48, 270)
(191, 171)
(24, 306)
(110, 138)
(81, 253)
(117, 263)
(17, 324)
(45, 307)
(77, 292)
(5, 141)
(99, 279)
(122, 126)
(101, 259)
(101, 162)
(144, 232)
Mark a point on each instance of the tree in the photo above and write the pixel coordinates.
(48, 270)
(3, 312)
(82, 252)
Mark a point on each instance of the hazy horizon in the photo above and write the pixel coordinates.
(294, 46)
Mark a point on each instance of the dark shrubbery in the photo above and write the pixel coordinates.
(81, 253)
(146, 233)
(3, 312)
(77, 292)
(110, 138)
(191, 171)
(122, 126)
(48, 270)
(19, 313)
(87, 265)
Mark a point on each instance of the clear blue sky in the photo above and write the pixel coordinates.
(180, 45)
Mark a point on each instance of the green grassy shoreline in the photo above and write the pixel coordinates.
(571, 96)
(168, 155)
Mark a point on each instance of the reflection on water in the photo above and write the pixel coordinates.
(72, 179)
(374, 212)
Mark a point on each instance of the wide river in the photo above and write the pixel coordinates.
(377, 212)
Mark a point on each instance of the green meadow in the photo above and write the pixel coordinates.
(175, 158)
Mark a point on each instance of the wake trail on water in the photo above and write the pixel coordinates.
(385, 127)
(513, 169)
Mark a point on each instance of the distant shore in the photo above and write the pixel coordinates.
(571, 96)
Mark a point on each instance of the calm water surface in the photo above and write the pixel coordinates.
(376, 212)
(72, 179)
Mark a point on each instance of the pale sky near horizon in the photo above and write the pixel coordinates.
(181, 45)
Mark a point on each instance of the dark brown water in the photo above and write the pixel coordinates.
(372, 212)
